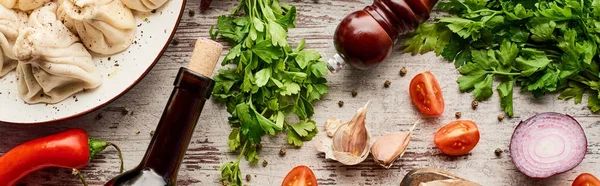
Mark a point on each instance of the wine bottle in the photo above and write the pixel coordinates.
(172, 136)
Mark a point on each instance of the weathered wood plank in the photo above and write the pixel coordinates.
(390, 110)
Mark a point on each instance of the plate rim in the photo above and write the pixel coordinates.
(89, 110)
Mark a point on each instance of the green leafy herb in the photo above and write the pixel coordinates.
(267, 80)
(543, 46)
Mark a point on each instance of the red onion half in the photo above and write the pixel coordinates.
(547, 144)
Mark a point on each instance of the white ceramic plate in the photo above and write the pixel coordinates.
(154, 33)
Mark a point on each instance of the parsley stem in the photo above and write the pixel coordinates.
(504, 73)
(242, 152)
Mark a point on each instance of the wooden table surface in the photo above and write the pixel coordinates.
(390, 110)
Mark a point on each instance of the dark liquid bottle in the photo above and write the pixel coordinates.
(161, 162)
(365, 38)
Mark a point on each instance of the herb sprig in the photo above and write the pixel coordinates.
(543, 46)
(268, 81)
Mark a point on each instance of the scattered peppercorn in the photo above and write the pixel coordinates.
(387, 83)
(152, 133)
(175, 41)
(498, 151)
(265, 163)
(125, 111)
(99, 116)
(354, 93)
(191, 13)
(138, 132)
(500, 117)
(153, 11)
(248, 177)
(474, 104)
(341, 103)
(282, 152)
(458, 114)
(403, 71)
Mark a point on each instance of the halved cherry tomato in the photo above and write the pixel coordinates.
(586, 179)
(426, 94)
(300, 176)
(457, 138)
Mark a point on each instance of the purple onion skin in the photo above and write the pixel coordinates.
(541, 115)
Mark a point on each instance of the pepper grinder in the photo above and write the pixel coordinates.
(365, 38)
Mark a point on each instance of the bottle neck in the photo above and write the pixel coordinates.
(174, 131)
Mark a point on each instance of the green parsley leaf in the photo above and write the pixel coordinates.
(505, 91)
(483, 89)
(574, 91)
(263, 76)
(594, 102)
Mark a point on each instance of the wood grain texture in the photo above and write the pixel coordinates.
(390, 111)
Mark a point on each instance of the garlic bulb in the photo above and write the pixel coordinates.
(390, 147)
(351, 141)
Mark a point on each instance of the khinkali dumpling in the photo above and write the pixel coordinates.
(104, 26)
(24, 5)
(144, 5)
(53, 64)
(10, 23)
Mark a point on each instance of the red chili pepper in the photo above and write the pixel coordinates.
(69, 149)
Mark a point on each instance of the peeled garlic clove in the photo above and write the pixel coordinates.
(390, 147)
(351, 141)
(332, 125)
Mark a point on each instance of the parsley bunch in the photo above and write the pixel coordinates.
(541, 45)
(268, 81)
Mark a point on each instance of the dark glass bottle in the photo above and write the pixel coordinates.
(173, 133)
(365, 38)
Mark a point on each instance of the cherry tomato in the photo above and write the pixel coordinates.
(586, 179)
(457, 138)
(426, 94)
(300, 176)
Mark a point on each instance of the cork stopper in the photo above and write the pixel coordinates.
(205, 57)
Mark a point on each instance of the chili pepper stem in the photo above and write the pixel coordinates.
(97, 146)
(78, 173)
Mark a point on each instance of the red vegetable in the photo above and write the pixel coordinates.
(426, 95)
(457, 138)
(586, 179)
(547, 144)
(69, 149)
(300, 176)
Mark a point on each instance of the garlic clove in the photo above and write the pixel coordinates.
(351, 142)
(390, 147)
(331, 126)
